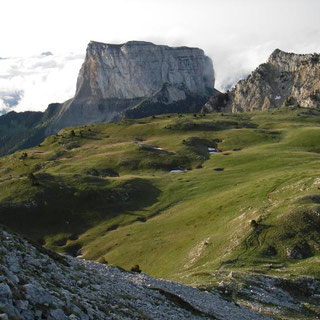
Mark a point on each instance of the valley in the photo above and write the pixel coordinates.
(105, 192)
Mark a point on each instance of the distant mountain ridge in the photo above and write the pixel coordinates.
(20, 130)
(139, 79)
(131, 80)
(136, 74)
(287, 79)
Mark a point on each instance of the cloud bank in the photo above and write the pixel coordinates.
(31, 83)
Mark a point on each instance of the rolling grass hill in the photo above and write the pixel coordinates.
(20, 130)
(106, 192)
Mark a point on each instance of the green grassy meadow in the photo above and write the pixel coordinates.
(182, 226)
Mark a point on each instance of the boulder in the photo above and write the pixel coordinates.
(300, 250)
(109, 173)
(270, 251)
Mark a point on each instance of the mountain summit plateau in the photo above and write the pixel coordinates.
(139, 75)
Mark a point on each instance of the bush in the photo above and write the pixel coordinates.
(136, 268)
(102, 260)
(33, 179)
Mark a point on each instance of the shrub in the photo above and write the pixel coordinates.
(136, 268)
(33, 179)
(102, 260)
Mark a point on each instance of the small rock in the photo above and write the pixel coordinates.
(38, 314)
(109, 173)
(301, 250)
(5, 292)
(22, 304)
(37, 295)
(270, 251)
(253, 223)
(92, 172)
(57, 314)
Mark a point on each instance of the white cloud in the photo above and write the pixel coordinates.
(31, 83)
(3, 108)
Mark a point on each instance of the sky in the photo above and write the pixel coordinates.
(43, 42)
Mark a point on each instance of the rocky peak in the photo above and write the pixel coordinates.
(140, 76)
(140, 69)
(287, 79)
(290, 62)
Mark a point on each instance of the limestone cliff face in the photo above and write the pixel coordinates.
(286, 79)
(114, 78)
(140, 69)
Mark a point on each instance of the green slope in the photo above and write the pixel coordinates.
(20, 130)
(181, 226)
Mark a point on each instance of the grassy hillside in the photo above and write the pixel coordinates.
(19, 131)
(106, 192)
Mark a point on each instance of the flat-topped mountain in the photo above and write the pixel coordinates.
(131, 80)
(286, 79)
(139, 69)
(150, 78)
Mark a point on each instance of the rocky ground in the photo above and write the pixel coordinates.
(38, 284)
(278, 297)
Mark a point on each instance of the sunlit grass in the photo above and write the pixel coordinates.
(175, 226)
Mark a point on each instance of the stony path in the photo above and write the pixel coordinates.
(38, 284)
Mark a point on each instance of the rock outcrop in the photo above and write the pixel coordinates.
(287, 79)
(115, 78)
(139, 69)
(38, 284)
